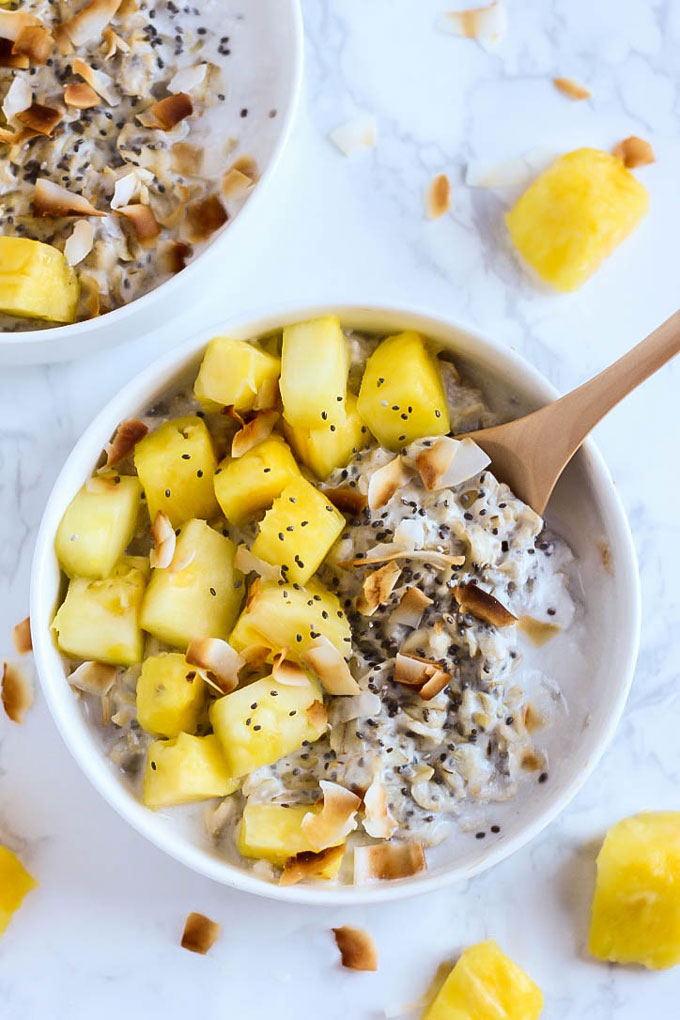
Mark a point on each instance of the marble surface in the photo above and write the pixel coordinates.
(101, 935)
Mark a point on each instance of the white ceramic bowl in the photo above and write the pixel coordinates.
(267, 76)
(594, 672)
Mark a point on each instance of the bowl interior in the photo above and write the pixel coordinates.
(591, 664)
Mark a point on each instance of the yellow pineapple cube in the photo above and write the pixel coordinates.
(185, 769)
(246, 485)
(100, 619)
(401, 396)
(265, 721)
(330, 446)
(170, 695)
(232, 372)
(298, 531)
(575, 214)
(283, 616)
(636, 907)
(314, 367)
(201, 592)
(176, 464)
(485, 984)
(15, 882)
(36, 281)
(274, 833)
(98, 524)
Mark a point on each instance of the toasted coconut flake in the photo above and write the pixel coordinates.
(220, 661)
(247, 562)
(90, 22)
(360, 133)
(253, 591)
(635, 152)
(8, 59)
(532, 719)
(13, 23)
(167, 113)
(287, 672)
(64, 44)
(81, 96)
(235, 183)
(482, 604)
(41, 119)
(129, 186)
(200, 933)
(346, 500)
(412, 605)
(255, 656)
(310, 865)
(329, 665)
(336, 819)
(390, 551)
(437, 682)
(413, 670)
(144, 222)
(538, 631)
(317, 715)
(79, 245)
(204, 218)
(488, 25)
(50, 199)
(357, 948)
(438, 197)
(377, 588)
(126, 437)
(113, 44)
(17, 692)
(187, 78)
(100, 82)
(18, 98)
(387, 861)
(247, 165)
(21, 636)
(93, 678)
(34, 42)
(378, 821)
(187, 159)
(570, 88)
(385, 482)
(174, 256)
(165, 541)
(450, 462)
(359, 706)
(532, 761)
(254, 432)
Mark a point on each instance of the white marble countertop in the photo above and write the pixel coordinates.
(101, 935)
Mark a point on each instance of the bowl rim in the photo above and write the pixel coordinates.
(61, 702)
(116, 320)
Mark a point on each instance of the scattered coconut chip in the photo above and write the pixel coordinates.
(204, 218)
(174, 256)
(287, 672)
(15, 138)
(12, 23)
(93, 678)
(359, 706)
(330, 667)
(64, 44)
(413, 670)
(336, 819)
(128, 186)
(532, 761)
(21, 635)
(167, 113)
(81, 96)
(17, 692)
(253, 591)
(378, 821)
(50, 199)
(317, 715)
(635, 152)
(357, 948)
(377, 588)
(165, 541)
(230, 411)
(255, 656)
(187, 159)
(41, 119)
(308, 864)
(145, 224)
(450, 462)
(389, 551)
(200, 933)
(437, 682)
(346, 500)
(412, 605)
(100, 82)
(187, 78)
(126, 437)
(235, 183)
(90, 22)
(532, 719)
(220, 661)
(247, 562)
(113, 44)
(538, 631)
(488, 25)
(17, 99)
(258, 429)
(482, 604)
(438, 197)
(9, 59)
(360, 133)
(34, 42)
(79, 245)
(571, 88)
(385, 482)
(388, 861)
(247, 165)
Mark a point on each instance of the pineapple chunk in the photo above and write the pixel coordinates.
(185, 769)
(170, 695)
(636, 907)
(232, 372)
(176, 464)
(15, 882)
(298, 531)
(283, 718)
(285, 617)
(36, 281)
(485, 984)
(98, 525)
(274, 833)
(202, 599)
(100, 619)
(331, 446)
(314, 367)
(402, 397)
(575, 214)
(245, 485)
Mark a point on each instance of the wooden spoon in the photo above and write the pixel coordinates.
(531, 453)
